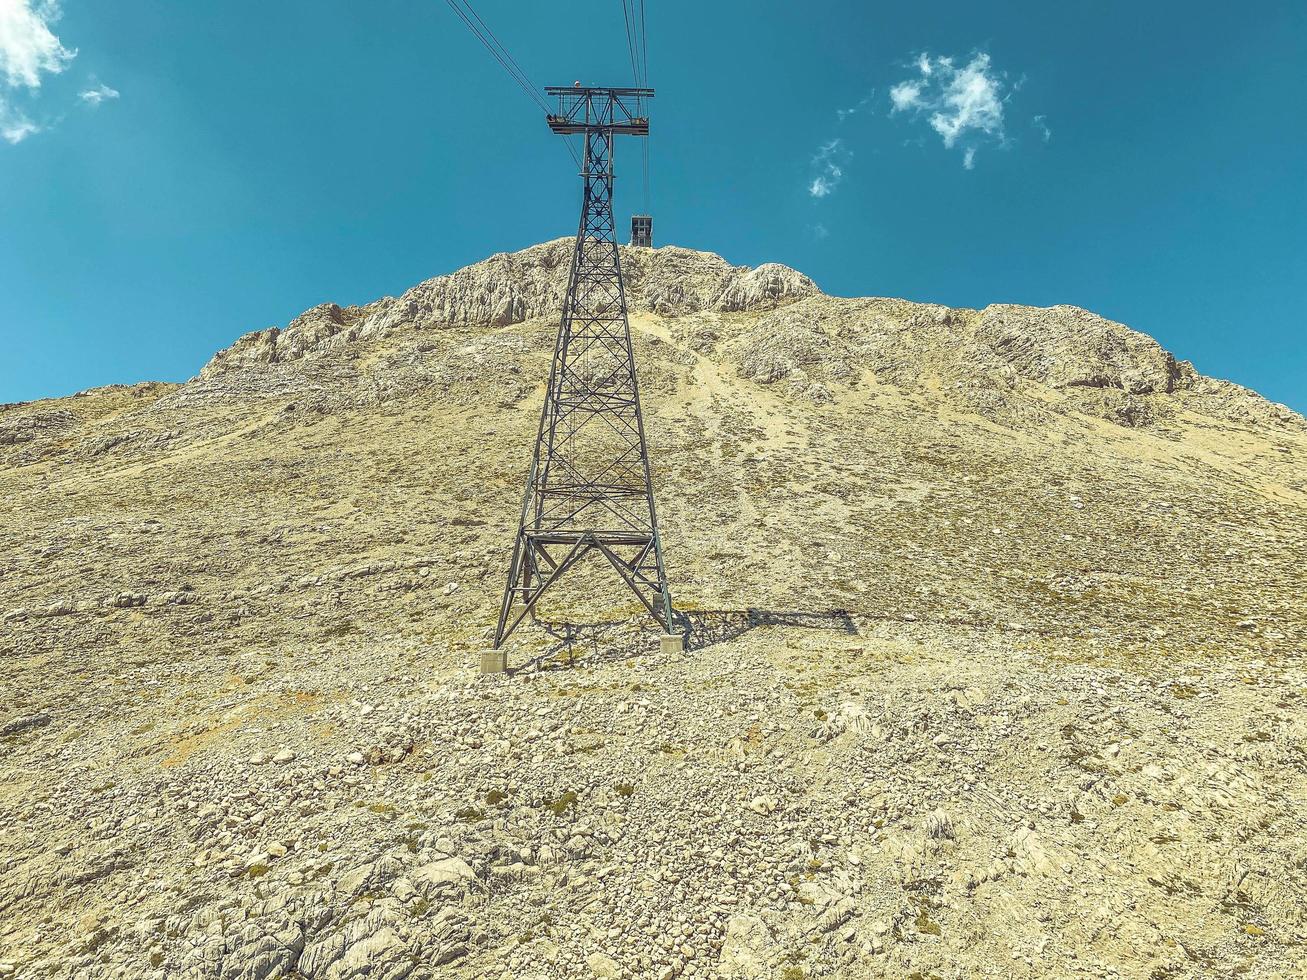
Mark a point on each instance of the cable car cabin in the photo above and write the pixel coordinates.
(642, 230)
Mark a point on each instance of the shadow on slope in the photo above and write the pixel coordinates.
(619, 639)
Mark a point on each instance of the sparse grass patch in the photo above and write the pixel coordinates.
(926, 925)
(567, 801)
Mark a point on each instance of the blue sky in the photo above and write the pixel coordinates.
(175, 174)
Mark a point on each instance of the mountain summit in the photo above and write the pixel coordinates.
(995, 665)
(774, 326)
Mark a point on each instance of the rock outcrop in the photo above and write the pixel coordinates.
(777, 326)
(513, 287)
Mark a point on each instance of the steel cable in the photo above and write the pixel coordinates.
(644, 61)
(631, 42)
(501, 54)
(644, 48)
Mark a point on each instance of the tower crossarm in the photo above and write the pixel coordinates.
(584, 108)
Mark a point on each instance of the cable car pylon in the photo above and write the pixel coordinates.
(588, 490)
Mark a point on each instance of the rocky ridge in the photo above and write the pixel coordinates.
(513, 287)
(988, 361)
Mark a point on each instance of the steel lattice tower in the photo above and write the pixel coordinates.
(588, 489)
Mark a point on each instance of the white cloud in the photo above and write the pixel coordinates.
(14, 126)
(904, 96)
(27, 45)
(963, 105)
(829, 161)
(1044, 132)
(28, 50)
(970, 100)
(101, 93)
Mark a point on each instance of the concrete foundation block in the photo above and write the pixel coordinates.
(494, 661)
(671, 643)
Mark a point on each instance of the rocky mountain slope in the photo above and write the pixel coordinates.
(996, 665)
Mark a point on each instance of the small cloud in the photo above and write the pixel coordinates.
(819, 231)
(28, 51)
(904, 96)
(15, 127)
(1045, 133)
(829, 161)
(964, 105)
(101, 93)
(970, 100)
(28, 48)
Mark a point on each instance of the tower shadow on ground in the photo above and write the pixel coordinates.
(620, 639)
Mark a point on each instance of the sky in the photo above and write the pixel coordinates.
(173, 175)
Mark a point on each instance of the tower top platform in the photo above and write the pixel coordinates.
(585, 107)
